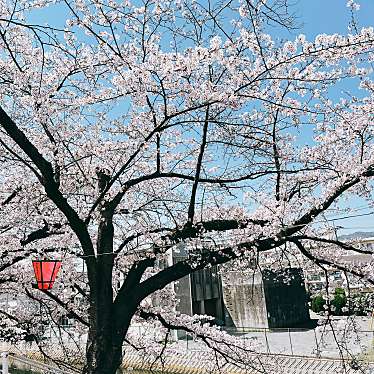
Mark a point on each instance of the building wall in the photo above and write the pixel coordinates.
(244, 300)
(286, 298)
(267, 300)
(200, 292)
(207, 293)
(183, 290)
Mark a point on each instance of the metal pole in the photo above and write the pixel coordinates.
(4, 356)
(315, 337)
(289, 335)
(267, 343)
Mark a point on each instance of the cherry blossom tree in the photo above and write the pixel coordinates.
(128, 128)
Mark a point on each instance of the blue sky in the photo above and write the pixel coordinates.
(315, 16)
(332, 16)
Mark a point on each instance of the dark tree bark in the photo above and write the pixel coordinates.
(105, 340)
(109, 319)
(103, 348)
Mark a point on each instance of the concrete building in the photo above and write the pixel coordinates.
(265, 300)
(200, 292)
(270, 299)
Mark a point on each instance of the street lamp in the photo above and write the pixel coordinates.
(45, 273)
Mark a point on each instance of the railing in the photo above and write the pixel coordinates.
(318, 342)
(39, 367)
(21, 362)
(321, 342)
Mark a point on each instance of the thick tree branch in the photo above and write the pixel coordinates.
(132, 280)
(194, 263)
(62, 304)
(191, 208)
(209, 226)
(49, 183)
(322, 261)
(46, 231)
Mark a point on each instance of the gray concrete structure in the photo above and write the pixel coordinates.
(207, 293)
(200, 292)
(267, 299)
(244, 300)
(270, 299)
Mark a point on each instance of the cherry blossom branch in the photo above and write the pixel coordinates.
(314, 212)
(47, 180)
(161, 127)
(221, 344)
(25, 255)
(11, 196)
(138, 235)
(57, 300)
(323, 261)
(338, 243)
(46, 231)
(272, 12)
(191, 208)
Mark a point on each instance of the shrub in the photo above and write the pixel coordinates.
(317, 304)
(361, 304)
(339, 301)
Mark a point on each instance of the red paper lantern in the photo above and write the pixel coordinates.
(46, 272)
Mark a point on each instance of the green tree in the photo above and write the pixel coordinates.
(317, 303)
(339, 301)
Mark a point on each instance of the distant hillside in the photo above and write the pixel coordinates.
(357, 235)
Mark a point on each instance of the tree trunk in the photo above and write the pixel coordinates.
(108, 324)
(108, 328)
(104, 343)
(104, 352)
